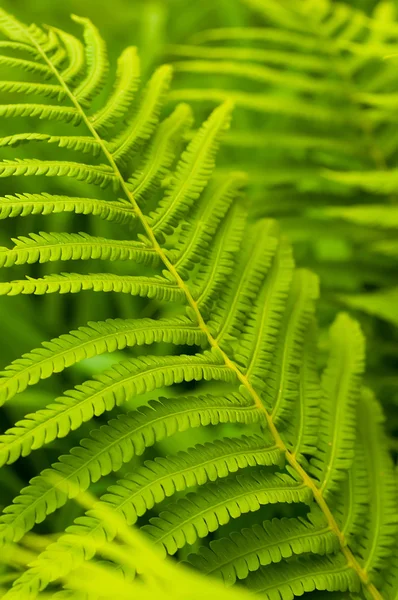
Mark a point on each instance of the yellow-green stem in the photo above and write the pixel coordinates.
(290, 457)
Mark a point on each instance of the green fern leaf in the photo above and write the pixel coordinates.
(45, 247)
(100, 175)
(283, 378)
(23, 205)
(139, 492)
(161, 153)
(198, 514)
(219, 283)
(142, 126)
(382, 304)
(39, 89)
(191, 177)
(306, 576)
(25, 65)
(111, 446)
(41, 111)
(113, 387)
(246, 551)
(380, 530)
(92, 340)
(97, 62)
(72, 283)
(341, 384)
(127, 82)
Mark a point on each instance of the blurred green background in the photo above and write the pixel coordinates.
(147, 24)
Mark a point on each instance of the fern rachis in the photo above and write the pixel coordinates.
(224, 315)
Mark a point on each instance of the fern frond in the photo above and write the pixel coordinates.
(380, 531)
(218, 263)
(12, 29)
(378, 182)
(23, 205)
(192, 173)
(282, 140)
(100, 175)
(72, 283)
(302, 430)
(41, 111)
(285, 57)
(20, 47)
(112, 445)
(150, 485)
(161, 153)
(257, 73)
(248, 278)
(47, 90)
(264, 34)
(198, 514)
(263, 324)
(372, 215)
(96, 59)
(115, 386)
(166, 476)
(260, 103)
(79, 143)
(126, 85)
(244, 552)
(341, 384)
(143, 124)
(282, 384)
(44, 247)
(76, 56)
(352, 498)
(382, 304)
(315, 64)
(218, 198)
(29, 66)
(218, 282)
(306, 576)
(92, 340)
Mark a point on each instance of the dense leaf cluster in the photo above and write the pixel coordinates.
(228, 344)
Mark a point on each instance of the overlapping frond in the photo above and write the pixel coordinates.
(341, 386)
(123, 382)
(318, 99)
(143, 124)
(161, 152)
(127, 82)
(226, 314)
(23, 205)
(140, 491)
(96, 62)
(45, 247)
(306, 576)
(244, 552)
(72, 283)
(114, 444)
(192, 172)
(199, 514)
(91, 340)
(380, 530)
